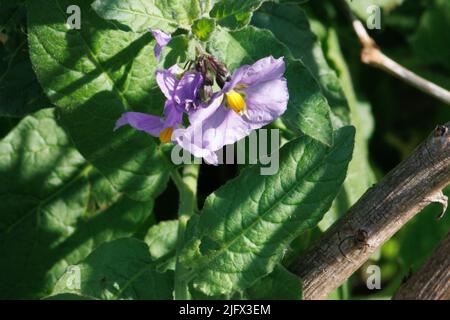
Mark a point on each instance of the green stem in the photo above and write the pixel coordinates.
(187, 187)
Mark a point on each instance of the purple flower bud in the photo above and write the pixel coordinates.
(162, 40)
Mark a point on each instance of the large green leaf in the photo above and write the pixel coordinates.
(234, 14)
(20, 93)
(308, 110)
(94, 75)
(245, 225)
(304, 45)
(55, 207)
(280, 284)
(179, 50)
(162, 241)
(138, 15)
(121, 269)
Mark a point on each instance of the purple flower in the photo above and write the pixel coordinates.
(255, 96)
(182, 96)
(162, 40)
(182, 93)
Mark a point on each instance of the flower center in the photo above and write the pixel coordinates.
(166, 135)
(236, 102)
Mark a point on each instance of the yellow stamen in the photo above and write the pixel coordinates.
(236, 102)
(166, 135)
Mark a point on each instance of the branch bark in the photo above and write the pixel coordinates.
(372, 55)
(376, 216)
(432, 281)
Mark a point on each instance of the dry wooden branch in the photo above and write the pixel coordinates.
(432, 281)
(372, 55)
(377, 215)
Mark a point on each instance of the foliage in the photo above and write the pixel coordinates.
(88, 212)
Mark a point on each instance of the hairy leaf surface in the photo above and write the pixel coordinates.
(120, 269)
(234, 14)
(55, 208)
(95, 74)
(141, 15)
(246, 224)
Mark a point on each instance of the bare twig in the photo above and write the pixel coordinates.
(432, 281)
(372, 55)
(377, 215)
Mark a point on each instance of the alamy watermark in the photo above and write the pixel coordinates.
(374, 279)
(262, 147)
(74, 20)
(374, 19)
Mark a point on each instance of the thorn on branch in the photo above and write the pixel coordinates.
(441, 198)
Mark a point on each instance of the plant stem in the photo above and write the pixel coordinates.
(372, 55)
(377, 216)
(187, 187)
(430, 282)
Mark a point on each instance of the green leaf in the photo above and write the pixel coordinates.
(308, 110)
(202, 28)
(234, 14)
(121, 269)
(280, 284)
(140, 16)
(246, 224)
(161, 239)
(55, 207)
(94, 75)
(304, 45)
(179, 50)
(20, 93)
